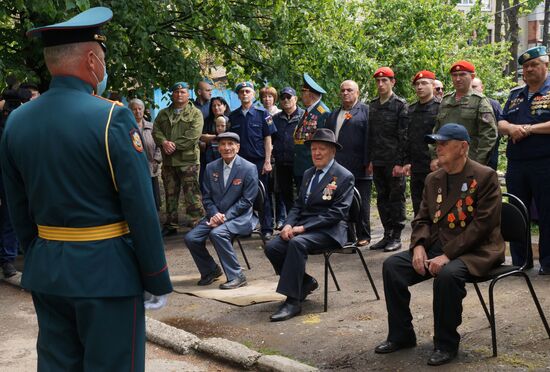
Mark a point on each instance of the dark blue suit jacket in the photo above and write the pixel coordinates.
(318, 214)
(236, 199)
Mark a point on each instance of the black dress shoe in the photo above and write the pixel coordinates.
(542, 271)
(279, 226)
(168, 231)
(440, 357)
(267, 236)
(381, 244)
(393, 245)
(387, 347)
(239, 281)
(209, 278)
(309, 286)
(8, 270)
(285, 312)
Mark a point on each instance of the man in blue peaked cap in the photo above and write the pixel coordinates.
(80, 196)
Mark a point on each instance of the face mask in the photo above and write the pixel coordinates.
(101, 85)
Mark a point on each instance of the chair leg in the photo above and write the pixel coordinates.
(327, 258)
(368, 272)
(244, 254)
(482, 300)
(326, 283)
(492, 313)
(537, 303)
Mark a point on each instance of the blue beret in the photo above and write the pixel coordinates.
(244, 84)
(532, 53)
(311, 84)
(179, 85)
(450, 131)
(81, 28)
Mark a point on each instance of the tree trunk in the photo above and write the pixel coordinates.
(498, 21)
(545, 23)
(512, 33)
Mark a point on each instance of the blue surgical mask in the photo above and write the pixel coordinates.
(101, 85)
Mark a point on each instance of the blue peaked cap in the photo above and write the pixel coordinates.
(308, 80)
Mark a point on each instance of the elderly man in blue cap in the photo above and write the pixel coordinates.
(80, 195)
(315, 116)
(255, 126)
(176, 131)
(526, 122)
(455, 236)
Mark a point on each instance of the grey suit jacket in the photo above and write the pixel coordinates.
(236, 199)
(327, 215)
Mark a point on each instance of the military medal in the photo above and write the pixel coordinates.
(329, 190)
(438, 200)
(451, 219)
(469, 202)
(464, 187)
(215, 176)
(473, 186)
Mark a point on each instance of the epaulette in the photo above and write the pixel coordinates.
(321, 109)
(118, 103)
(477, 94)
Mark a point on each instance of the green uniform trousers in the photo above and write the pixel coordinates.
(90, 334)
(176, 180)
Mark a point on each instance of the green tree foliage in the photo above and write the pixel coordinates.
(153, 43)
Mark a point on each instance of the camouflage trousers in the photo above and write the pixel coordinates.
(182, 179)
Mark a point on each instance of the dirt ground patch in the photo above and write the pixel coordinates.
(344, 338)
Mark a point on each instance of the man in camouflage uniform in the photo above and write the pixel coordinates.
(387, 140)
(470, 109)
(177, 130)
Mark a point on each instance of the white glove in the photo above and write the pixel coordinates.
(152, 302)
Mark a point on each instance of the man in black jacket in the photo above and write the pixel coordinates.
(350, 125)
(386, 146)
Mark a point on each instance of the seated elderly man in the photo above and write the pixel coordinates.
(456, 235)
(231, 186)
(317, 219)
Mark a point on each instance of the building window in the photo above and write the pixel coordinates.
(485, 4)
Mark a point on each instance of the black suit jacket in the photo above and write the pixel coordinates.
(325, 215)
(353, 137)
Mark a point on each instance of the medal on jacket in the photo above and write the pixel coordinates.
(215, 176)
(438, 200)
(469, 202)
(451, 219)
(329, 190)
(473, 186)
(461, 214)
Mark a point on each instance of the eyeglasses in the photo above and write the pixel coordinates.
(286, 98)
(439, 89)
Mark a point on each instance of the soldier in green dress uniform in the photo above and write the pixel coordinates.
(315, 116)
(80, 195)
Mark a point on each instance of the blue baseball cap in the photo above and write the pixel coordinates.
(288, 90)
(179, 85)
(532, 53)
(244, 84)
(311, 84)
(451, 131)
(81, 28)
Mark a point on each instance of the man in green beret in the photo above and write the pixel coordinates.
(176, 131)
(80, 196)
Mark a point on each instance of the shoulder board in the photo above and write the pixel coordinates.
(321, 109)
(118, 103)
(477, 94)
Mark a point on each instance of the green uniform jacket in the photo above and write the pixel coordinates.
(304, 130)
(184, 129)
(57, 173)
(475, 113)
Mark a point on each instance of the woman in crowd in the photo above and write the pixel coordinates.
(268, 96)
(154, 156)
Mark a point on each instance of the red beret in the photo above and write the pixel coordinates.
(384, 72)
(463, 65)
(424, 74)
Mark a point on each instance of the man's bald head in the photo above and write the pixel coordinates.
(477, 85)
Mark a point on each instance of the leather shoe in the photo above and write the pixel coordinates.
(440, 357)
(169, 231)
(542, 271)
(239, 281)
(308, 286)
(8, 270)
(285, 312)
(393, 245)
(279, 226)
(267, 236)
(387, 347)
(381, 244)
(209, 278)
(363, 242)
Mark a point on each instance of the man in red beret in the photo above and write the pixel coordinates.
(422, 115)
(386, 147)
(470, 109)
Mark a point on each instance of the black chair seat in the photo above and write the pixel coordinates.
(498, 271)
